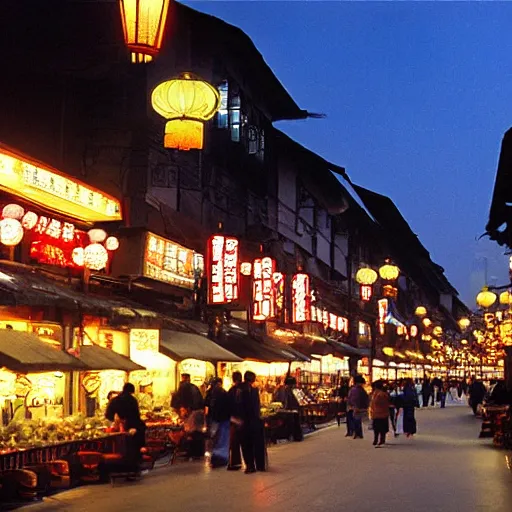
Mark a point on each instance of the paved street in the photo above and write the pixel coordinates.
(445, 468)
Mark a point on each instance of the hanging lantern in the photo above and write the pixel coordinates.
(485, 299)
(366, 276)
(29, 220)
(464, 323)
(414, 331)
(421, 311)
(78, 256)
(246, 268)
(506, 298)
(112, 243)
(13, 211)
(143, 27)
(95, 257)
(11, 232)
(427, 322)
(97, 236)
(389, 272)
(187, 102)
(438, 331)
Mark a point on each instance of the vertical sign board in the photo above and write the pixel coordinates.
(383, 313)
(300, 298)
(223, 269)
(263, 296)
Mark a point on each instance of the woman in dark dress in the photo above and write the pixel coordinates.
(410, 402)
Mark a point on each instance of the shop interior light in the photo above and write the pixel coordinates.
(11, 232)
(112, 243)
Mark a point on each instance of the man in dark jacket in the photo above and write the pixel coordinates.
(251, 430)
(219, 414)
(477, 393)
(235, 456)
(426, 392)
(358, 402)
(188, 396)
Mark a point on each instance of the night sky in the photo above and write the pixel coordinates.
(417, 97)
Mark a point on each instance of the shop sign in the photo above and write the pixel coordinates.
(383, 306)
(263, 297)
(144, 340)
(278, 285)
(171, 263)
(48, 187)
(329, 320)
(50, 333)
(223, 269)
(366, 292)
(300, 298)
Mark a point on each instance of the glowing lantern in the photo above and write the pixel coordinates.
(438, 331)
(13, 211)
(389, 272)
(414, 331)
(505, 298)
(187, 102)
(427, 322)
(95, 257)
(421, 311)
(143, 27)
(464, 342)
(485, 299)
(96, 236)
(301, 299)
(112, 243)
(11, 232)
(366, 276)
(29, 220)
(464, 323)
(78, 256)
(223, 267)
(246, 268)
(388, 351)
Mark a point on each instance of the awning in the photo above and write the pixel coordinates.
(100, 358)
(24, 352)
(182, 345)
(348, 350)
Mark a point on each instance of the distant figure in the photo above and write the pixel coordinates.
(426, 391)
(235, 456)
(219, 413)
(358, 402)
(188, 397)
(379, 413)
(477, 393)
(410, 402)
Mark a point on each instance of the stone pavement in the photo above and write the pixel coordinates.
(446, 468)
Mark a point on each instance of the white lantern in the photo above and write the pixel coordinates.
(13, 211)
(11, 232)
(97, 236)
(78, 256)
(29, 220)
(112, 243)
(95, 257)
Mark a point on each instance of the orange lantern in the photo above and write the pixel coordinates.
(187, 102)
(143, 27)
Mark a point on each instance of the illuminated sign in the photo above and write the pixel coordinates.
(223, 267)
(300, 298)
(263, 295)
(383, 313)
(414, 331)
(144, 340)
(278, 279)
(366, 292)
(171, 263)
(51, 189)
(50, 333)
(329, 320)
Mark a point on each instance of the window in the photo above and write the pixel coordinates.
(222, 114)
(261, 150)
(234, 117)
(253, 140)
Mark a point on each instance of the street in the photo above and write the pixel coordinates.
(445, 468)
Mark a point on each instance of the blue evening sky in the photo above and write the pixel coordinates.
(417, 97)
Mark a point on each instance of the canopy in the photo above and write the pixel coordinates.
(348, 350)
(182, 345)
(99, 358)
(24, 352)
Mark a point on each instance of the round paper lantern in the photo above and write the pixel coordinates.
(464, 323)
(414, 331)
(95, 257)
(438, 331)
(246, 268)
(97, 236)
(427, 322)
(485, 299)
(366, 276)
(29, 220)
(389, 272)
(187, 102)
(112, 243)
(505, 298)
(78, 256)
(421, 311)
(11, 232)
(13, 211)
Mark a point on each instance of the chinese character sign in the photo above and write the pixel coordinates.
(366, 292)
(223, 269)
(144, 340)
(263, 296)
(383, 313)
(300, 298)
(278, 284)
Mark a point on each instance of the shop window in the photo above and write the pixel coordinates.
(260, 154)
(222, 114)
(235, 117)
(253, 140)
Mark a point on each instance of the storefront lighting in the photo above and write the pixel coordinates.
(95, 257)
(112, 243)
(29, 220)
(13, 211)
(187, 103)
(97, 236)
(389, 272)
(11, 232)
(366, 276)
(485, 299)
(143, 27)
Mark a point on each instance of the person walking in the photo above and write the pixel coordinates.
(358, 402)
(396, 402)
(342, 395)
(410, 402)
(187, 396)
(476, 393)
(251, 431)
(379, 413)
(292, 404)
(218, 415)
(349, 413)
(426, 391)
(235, 455)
